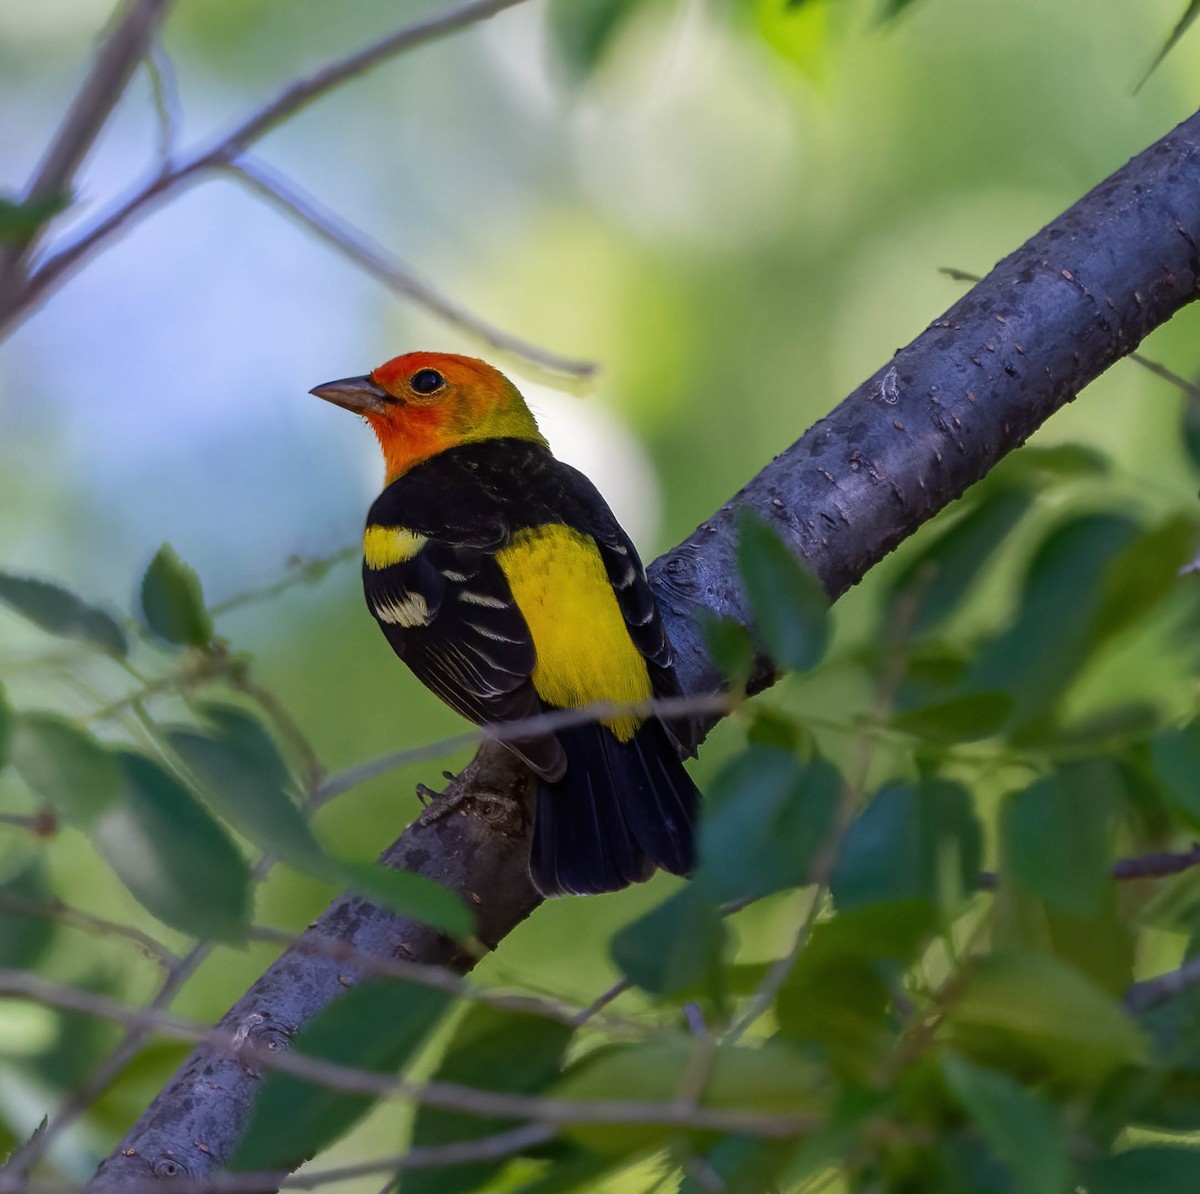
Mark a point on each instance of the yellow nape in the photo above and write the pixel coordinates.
(385, 546)
(584, 652)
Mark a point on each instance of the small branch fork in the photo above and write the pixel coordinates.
(25, 284)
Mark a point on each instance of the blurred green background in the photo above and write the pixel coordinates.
(739, 214)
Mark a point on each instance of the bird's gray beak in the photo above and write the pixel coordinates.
(359, 394)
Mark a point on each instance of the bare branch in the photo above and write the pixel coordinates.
(393, 273)
(227, 149)
(89, 111)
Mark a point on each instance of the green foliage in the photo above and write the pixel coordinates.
(491, 1050)
(375, 1026)
(1022, 1129)
(790, 607)
(172, 603)
(58, 611)
(67, 768)
(582, 31)
(24, 938)
(914, 841)
(767, 816)
(178, 862)
(242, 775)
(674, 947)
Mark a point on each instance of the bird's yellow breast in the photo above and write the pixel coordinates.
(584, 652)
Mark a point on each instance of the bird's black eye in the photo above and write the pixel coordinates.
(426, 381)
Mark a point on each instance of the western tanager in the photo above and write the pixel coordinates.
(501, 577)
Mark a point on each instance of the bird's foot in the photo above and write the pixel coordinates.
(492, 805)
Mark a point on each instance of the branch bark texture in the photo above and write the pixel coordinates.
(1046, 321)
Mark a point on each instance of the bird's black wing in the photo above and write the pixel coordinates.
(448, 611)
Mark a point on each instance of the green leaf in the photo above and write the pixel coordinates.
(1176, 757)
(495, 1050)
(243, 776)
(766, 817)
(1181, 27)
(790, 606)
(67, 768)
(1056, 839)
(730, 646)
(172, 602)
(775, 1078)
(939, 577)
(1141, 575)
(1041, 466)
(1024, 1131)
(961, 719)
(582, 32)
(1057, 892)
(1164, 1170)
(375, 1026)
(838, 993)
(1031, 1009)
(21, 221)
(674, 946)
(59, 611)
(913, 841)
(1038, 656)
(24, 937)
(178, 863)
(410, 895)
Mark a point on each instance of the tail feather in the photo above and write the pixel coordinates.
(621, 810)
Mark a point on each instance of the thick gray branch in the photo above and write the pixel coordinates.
(1044, 323)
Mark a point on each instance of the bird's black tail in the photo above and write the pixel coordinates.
(621, 810)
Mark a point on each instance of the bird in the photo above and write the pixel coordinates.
(500, 576)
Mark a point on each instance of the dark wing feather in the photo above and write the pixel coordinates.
(472, 647)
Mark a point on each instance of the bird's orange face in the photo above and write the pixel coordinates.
(422, 403)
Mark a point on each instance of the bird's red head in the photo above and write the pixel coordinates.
(422, 403)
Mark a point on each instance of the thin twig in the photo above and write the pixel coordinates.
(52, 908)
(1145, 866)
(849, 800)
(448, 1096)
(287, 726)
(1189, 388)
(511, 731)
(138, 1031)
(103, 86)
(41, 824)
(497, 1147)
(598, 1005)
(231, 146)
(393, 273)
(164, 87)
(303, 571)
(439, 978)
(1141, 997)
